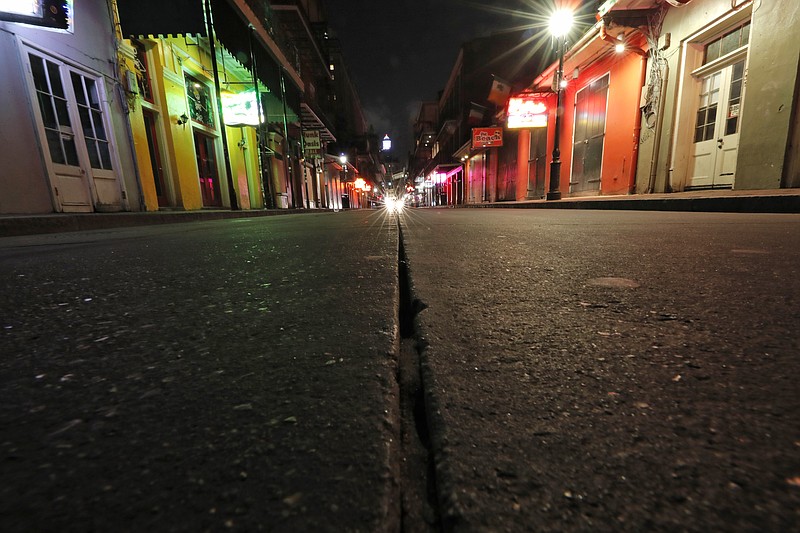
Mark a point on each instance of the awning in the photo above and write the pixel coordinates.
(447, 169)
(141, 18)
(464, 151)
(441, 173)
(312, 121)
(235, 34)
(157, 17)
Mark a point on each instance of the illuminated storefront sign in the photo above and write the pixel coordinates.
(312, 143)
(527, 110)
(49, 13)
(240, 109)
(487, 137)
(359, 184)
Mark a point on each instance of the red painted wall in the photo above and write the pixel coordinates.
(621, 138)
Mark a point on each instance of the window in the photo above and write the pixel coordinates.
(54, 107)
(91, 116)
(727, 43)
(200, 104)
(735, 99)
(143, 72)
(707, 110)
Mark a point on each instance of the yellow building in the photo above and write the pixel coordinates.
(207, 132)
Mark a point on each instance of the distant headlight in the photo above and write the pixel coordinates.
(393, 205)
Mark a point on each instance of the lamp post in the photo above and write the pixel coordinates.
(560, 23)
(343, 179)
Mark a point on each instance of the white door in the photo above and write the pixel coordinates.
(67, 178)
(716, 133)
(72, 127)
(87, 95)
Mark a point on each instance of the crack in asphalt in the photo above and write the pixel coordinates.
(420, 509)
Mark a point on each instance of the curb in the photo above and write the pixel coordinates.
(14, 226)
(720, 204)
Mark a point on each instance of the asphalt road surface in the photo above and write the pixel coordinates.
(610, 371)
(232, 375)
(502, 370)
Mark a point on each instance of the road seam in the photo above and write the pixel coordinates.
(420, 508)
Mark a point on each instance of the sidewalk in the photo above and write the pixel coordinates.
(717, 201)
(14, 225)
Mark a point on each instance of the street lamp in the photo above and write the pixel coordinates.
(343, 178)
(560, 24)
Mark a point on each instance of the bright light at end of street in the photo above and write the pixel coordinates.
(560, 22)
(393, 205)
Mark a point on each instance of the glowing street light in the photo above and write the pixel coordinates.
(560, 24)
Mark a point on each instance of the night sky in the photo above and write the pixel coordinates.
(401, 52)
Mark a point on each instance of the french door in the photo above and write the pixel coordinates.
(70, 115)
(716, 132)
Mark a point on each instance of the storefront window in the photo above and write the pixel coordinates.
(200, 104)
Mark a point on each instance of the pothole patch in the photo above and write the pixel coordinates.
(614, 283)
(749, 251)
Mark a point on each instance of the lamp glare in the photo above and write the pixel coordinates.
(560, 22)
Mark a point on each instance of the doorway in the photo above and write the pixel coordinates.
(207, 169)
(590, 131)
(71, 120)
(155, 157)
(716, 131)
(537, 163)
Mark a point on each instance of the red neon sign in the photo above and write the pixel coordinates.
(487, 137)
(527, 110)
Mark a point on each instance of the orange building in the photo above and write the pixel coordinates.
(600, 119)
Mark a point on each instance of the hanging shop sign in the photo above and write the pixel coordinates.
(312, 143)
(487, 137)
(527, 110)
(239, 109)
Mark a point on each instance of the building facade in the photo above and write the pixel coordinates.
(194, 104)
(730, 86)
(658, 96)
(63, 124)
(446, 168)
(656, 99)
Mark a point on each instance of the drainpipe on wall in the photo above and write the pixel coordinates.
(637, 131)
(657, 135)
(126, 108)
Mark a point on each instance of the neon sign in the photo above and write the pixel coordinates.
(527, 110)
